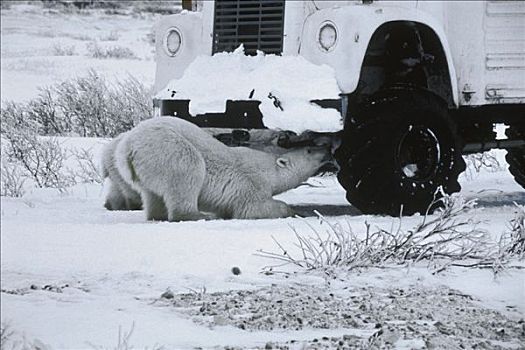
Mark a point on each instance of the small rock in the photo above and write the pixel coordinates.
(167, 295)
(236, 271)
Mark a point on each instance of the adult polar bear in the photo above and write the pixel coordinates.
(181, 171)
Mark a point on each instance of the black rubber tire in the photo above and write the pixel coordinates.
(370, 153)
(516, 156)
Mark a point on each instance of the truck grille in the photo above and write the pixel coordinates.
(258, 24)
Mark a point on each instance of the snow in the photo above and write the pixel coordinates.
(211, 80)
(73, 274)
(117, 265)
(29, 37)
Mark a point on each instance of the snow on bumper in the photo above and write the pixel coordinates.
(284, 85)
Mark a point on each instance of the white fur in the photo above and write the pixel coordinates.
(120, 194)
(182, 171)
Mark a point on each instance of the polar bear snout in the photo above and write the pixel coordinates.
(319, 154)
(327, 163)
(306, 161)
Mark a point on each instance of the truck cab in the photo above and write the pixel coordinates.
(421, 83)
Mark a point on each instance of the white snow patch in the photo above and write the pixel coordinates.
(211, 80)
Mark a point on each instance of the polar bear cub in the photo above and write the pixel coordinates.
(181, 171)
(121, 196)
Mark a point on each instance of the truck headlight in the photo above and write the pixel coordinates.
(172, 41)
(327, 36)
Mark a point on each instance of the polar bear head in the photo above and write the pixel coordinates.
(297, 165)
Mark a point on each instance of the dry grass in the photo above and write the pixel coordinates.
(63, 50)
(165, 7)
(448, 238)
(116, 52)
(124, 341)
(514, 241)
(111, 36)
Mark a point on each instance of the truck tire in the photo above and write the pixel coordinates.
(516, 156)
(397, 150)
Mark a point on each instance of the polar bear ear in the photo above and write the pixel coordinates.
(282, 162)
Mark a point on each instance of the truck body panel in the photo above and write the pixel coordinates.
(483, 41)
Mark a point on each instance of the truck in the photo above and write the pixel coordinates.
(422, 83)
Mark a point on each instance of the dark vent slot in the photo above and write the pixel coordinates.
(258, 24)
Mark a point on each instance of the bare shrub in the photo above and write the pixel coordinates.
(42, 159)
(97, 109)
(12, 180)
(40, 115)
(44, 110)
(130, 102)
(14, 116)
(60, 6)
(158, 7)
(13, 340)
(118, 52)
(111, 36)
(63, 50)
(84, 106)
(478, 161)
(71, 6)
(446, 239)
(81, 37)
(513, 242)
(6, 333)
(87, 170)
(84, 102)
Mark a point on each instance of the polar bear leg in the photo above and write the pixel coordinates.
(154, 206)
(115, 200)
(182, 194)
(133, 201)
(121, 196)
(268, 209)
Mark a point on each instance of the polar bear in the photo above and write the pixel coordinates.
(182, 172)
(121, 196)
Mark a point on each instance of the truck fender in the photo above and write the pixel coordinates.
(356, 26)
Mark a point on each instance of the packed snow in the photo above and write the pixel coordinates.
(76, 276)
(285, 85)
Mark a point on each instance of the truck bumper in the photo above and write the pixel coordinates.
(243, 114)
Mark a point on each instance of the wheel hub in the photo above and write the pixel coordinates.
(418, 153)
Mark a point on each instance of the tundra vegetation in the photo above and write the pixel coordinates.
(448, 238)
(110, 7)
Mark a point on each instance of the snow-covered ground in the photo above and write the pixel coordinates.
(74, 275)
(34, 47)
